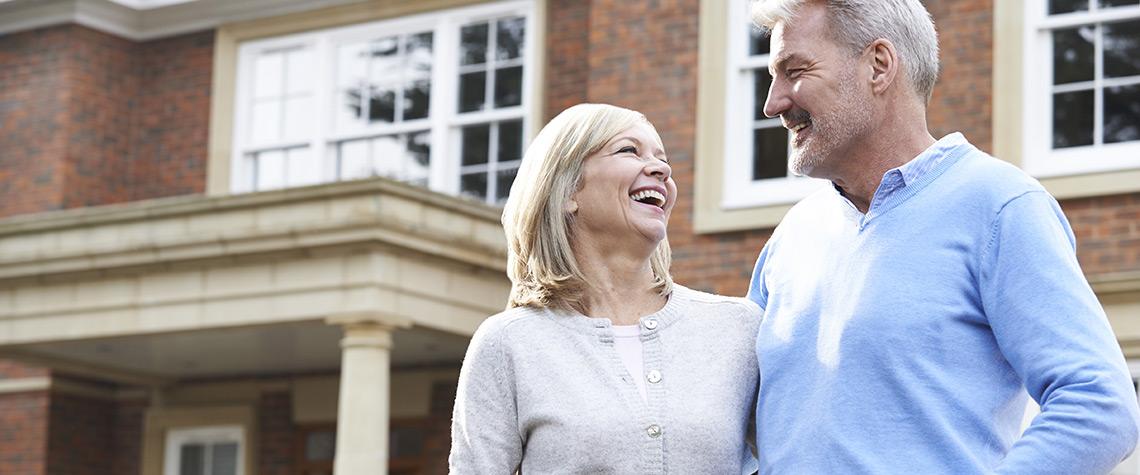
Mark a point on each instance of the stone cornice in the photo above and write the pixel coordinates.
(1115, 282)
(162, 231)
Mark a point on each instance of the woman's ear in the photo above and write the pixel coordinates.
(571, 205)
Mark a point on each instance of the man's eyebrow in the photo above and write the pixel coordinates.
(780, 59)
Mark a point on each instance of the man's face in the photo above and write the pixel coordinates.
(817, 92)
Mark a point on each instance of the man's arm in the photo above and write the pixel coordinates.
(1053, 331)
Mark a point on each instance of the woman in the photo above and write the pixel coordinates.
(601, 364)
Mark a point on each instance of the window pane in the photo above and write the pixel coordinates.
(1122, 49)
(503, 185)
(1073, 55)
(267, 71)
(191, 460)
(419, 149)
(320, 445)
(1067, 6)
(509, 37)
(225, 459)
(1115, 3)
(298, 118)
(472, 88)
(299, 71)
(385, 65)
(270, 170)
(406, 442)
(758, 43)
(510, 141)
(418, 57)
(388, 157)
(508, 87)
(381, 104)
(266, 122)
(1072, 119)
(769, 153)
(1121, 114)
(354, 160)
(350, 65)
(473, 185)
(349, 109)
(476, 139)
(473, 44)
(302, 169)
(417, 100)
(763, 82)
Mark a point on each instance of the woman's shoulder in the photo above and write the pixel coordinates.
(699, 301)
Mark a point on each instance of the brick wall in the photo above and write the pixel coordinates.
(87, 118)
(963, 98)
(1108, 232)
(128, 435)
(80, 436)
(23, 433)
(276, 452)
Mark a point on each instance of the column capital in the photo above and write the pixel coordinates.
(368, 320)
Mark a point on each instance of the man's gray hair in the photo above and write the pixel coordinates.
(856, 23)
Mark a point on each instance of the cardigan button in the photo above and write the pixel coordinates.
(653, 376)
(653, 430)
(650, 323)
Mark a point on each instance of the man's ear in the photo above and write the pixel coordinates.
(884, 64)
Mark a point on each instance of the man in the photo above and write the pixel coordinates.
(912, 306)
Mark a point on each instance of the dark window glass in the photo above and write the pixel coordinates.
(769, 153)
(763, 82)
(381, 104)
(320, 445)
(473, 44)
(224, 460)
(419, 148)
(472, 88)
(418, 56)
(758, 42)
(508, 87)
(474, 185)
(476, 138)
(1121, 114)
(509, 38)
(417, 100)
(510, 140)
(1122, 49)
(1072, 119)
(1067, 6)
(1073, 55)
(503, 184)
(406, 442)
(1115, 3)
(192, 460)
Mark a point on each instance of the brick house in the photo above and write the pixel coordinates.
(224, 224)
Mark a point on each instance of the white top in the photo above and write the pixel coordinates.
(627, 342)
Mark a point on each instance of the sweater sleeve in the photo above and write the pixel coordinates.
(485, 438)
(1054, 333)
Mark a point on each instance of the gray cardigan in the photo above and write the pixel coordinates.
(545, 392)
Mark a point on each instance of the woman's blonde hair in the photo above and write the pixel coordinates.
(541, 264)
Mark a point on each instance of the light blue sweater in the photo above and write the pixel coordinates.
(905, 341)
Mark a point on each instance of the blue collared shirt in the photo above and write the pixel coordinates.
(896, 179)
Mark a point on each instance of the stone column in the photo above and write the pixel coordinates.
(363, 410)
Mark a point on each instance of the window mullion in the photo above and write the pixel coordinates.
(1098, 81)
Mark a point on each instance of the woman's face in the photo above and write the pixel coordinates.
(627, 191)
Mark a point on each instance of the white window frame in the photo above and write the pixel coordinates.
(1039, 158)
(740, 190)
(176, 438)
(444, 121)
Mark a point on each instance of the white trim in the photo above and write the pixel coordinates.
(176, 438)
(25, 385)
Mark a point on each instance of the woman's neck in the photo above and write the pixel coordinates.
(620, 287)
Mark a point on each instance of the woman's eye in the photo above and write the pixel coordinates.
(628, 149)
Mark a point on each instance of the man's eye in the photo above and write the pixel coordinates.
(794, 72)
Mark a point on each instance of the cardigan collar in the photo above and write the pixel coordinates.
(673, 311)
